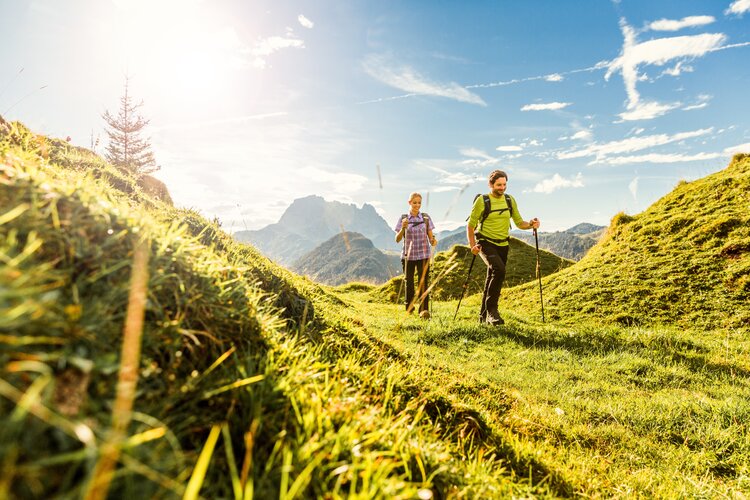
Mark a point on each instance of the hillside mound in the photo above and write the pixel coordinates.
(235, 391)
(685, 260)
(450, 271)
(345, 258)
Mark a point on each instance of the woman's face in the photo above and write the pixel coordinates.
(416, 204)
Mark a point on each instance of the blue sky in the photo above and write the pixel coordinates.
(592, 107)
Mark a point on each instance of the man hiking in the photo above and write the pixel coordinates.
(492, 214)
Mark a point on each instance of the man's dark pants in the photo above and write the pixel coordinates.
(495, 257)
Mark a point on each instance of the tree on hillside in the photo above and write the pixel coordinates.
(127, 149)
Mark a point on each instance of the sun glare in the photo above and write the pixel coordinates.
(180, 52)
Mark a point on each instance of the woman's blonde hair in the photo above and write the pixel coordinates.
(414, 195)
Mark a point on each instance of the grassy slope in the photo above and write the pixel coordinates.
(305, 407)
(685, 260)
(360, 401)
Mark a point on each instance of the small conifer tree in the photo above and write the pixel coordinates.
(127, 150)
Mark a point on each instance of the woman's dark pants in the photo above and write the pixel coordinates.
(421, 267)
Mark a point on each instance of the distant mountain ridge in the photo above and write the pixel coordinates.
(311, 221)
(571, 244)
(347, 257)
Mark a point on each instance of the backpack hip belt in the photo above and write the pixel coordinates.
(495, 241)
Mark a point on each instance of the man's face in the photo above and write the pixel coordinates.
(498, 187)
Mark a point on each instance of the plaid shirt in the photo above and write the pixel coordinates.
(416, 243)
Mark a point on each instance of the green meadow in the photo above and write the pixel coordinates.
(146, 354)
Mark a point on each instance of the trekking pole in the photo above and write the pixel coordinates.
(466, 283)
(539, 272)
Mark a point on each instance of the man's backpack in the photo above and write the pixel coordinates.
(486, 213)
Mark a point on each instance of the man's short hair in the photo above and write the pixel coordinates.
(496, 174)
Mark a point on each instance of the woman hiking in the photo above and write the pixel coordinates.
(416, 229)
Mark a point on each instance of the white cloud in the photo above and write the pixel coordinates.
(631, 144)
(695, 106)
(554, 77)
(582, 134)
(655, 158)
(452, 179)
(633, 187)
(740, 148)
(268, 46)
(552, 106)
(305, 22)
(738, 7)
(685, 22)
(509, 149)
(677, 70)
(558, 182)
(478, 157)
(647, 111)
(656, 52)
(407, 79)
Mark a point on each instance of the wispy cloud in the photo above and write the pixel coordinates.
(558, 182)
(478, 158)
(305, 22)
(554, 77)
(740, 148)
(695, 106)
(409, 80)
(648, 110)
(738, 7)
(509, 149)
(267, 46)
(685, 22)
(656, 52)
(677, 70)
(655, 158)
(549, 106)
(584, 134)
(633, 188)
(629, 145)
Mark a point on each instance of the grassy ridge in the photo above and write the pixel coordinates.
(256, 382)
(241, 362)
(685, 260)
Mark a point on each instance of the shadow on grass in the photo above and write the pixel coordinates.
(589, 342)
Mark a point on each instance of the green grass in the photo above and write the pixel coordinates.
(684, 261)
(255, 382)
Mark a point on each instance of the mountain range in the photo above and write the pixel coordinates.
(571, 244)
(311, 221)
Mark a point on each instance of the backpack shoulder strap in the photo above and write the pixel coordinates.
(486, 213)
(509, 202)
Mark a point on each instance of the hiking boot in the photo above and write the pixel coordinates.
(494, 320)
(424, 315)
